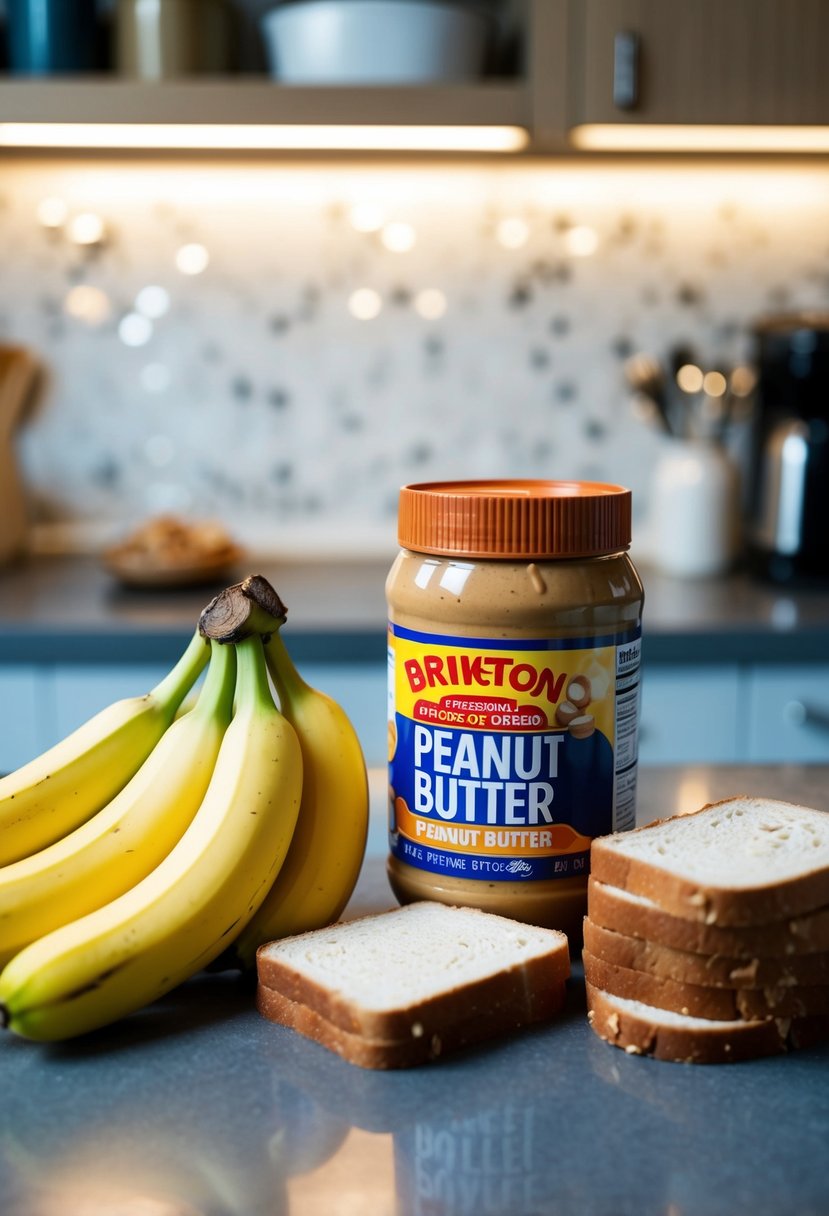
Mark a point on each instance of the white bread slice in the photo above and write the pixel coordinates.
(641, 917)
(417, 1048)
(709, 970)
(744, 861)
(427, 966)
(719, 1004)
(642, 1029)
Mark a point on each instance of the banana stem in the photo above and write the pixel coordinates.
(253, 691)
(172, 690)
(216, 697)
(289, 683)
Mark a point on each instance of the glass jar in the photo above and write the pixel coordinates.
(514, 642)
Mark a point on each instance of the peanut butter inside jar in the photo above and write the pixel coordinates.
(514, 637)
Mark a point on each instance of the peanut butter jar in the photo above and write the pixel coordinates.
(505, 595)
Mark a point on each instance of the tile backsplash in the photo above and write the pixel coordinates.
(282, 346)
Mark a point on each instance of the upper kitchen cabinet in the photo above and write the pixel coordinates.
(248, 108)
(640, 65)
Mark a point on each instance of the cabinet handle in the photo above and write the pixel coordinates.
(799, 713)
(626, 70)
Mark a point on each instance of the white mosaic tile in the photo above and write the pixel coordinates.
(282, 347)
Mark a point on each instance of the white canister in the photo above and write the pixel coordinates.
(694, 509)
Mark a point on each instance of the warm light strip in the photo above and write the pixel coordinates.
(658, 137)
(253, 137)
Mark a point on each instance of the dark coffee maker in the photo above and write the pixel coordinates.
(789, 484)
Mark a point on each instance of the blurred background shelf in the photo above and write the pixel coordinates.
(240, 99)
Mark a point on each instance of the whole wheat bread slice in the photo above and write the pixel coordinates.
(744, 861)
(418, 1048)
(641, 1029)
(421, 970)
(641, 917)
(719, 1004)
(711, 970)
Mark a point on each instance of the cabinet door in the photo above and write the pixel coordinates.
(81, 691)
(690, 715)
(20, 717)
(789, 714)
(710, 61)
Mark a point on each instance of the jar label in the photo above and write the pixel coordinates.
(507, 757)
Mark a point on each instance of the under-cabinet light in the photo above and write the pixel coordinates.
(255, 137)
(667, 137)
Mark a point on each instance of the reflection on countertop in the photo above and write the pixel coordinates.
(198, 1107)
(69, 609)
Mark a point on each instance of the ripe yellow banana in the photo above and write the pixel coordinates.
(60, 789)
(182, 915)
(326, 853)
(125, 841)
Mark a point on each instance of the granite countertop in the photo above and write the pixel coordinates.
(70, 610)
(198, 1107)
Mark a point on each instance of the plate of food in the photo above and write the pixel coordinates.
(166, 551)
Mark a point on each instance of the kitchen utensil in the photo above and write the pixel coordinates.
(375, 41)
(17, 374)
(789, 489)
(163, 39)
(52, 36)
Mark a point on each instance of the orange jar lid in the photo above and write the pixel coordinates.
(515, 519)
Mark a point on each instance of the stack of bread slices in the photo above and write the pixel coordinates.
(707, 935)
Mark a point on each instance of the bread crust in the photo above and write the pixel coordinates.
(711, 970)
(515, 996)
(712, 905)
(419, 1047)
(639, 1035)
(695, 1000)
(793, 936)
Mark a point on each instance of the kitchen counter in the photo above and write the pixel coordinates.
(198, 1107)
(70, 610)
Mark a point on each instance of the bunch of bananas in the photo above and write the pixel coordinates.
(150, 842)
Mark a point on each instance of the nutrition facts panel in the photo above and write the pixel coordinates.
(626, 734)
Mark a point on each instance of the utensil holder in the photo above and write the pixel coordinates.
(694, 509)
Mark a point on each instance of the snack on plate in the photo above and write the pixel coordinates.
(404, 987)
(707, 935)
(166, 549)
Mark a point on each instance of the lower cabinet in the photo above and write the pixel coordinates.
(788, 712)
(717, 714)
(22, 706)
(691, 714)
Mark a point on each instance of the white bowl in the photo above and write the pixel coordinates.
(374, 41)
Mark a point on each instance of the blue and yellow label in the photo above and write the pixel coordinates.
(507, 757)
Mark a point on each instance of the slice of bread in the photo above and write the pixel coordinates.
(745, 861)
(719, 1004)
(642, 1029)
(426, 971)
(641, 917)
(709, 970)
(418, 1048)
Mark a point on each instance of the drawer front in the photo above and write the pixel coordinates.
(690, 715)
(789, 714)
